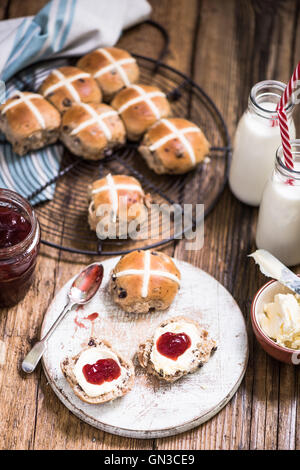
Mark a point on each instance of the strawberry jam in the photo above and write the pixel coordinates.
(89, 276)
(173, 345)
(14, 228)
(19, 247)
(92, 316)
(104, 370)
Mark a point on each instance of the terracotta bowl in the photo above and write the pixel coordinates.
(266, 294)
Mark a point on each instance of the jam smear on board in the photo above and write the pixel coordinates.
(173, 345)
(92, 316)
(78, 323)
(104, 370)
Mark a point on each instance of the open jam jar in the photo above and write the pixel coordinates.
(19, 247)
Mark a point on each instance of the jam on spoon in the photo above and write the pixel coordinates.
(104, 370)
(173, 345)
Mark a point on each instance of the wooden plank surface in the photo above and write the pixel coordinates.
(227, 47)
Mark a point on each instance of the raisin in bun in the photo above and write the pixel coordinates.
(108, 193)
(68, 85)
(112, 68)
(29, 122)
(144, 281)
(121, 373)
(179, 346)
(174, 146)
(92, 130)
(140, 106)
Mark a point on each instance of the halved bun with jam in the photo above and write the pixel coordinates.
(98, 373)
(179, 346)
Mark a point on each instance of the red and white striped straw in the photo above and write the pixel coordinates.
(290, 87)
(283, 121)
(285, 138)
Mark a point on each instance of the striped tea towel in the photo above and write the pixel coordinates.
(62, 28)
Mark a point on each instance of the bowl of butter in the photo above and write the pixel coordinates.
(275, 317)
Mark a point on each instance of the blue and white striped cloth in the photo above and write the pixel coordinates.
(63, 28)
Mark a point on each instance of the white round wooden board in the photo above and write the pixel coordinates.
(153, 408)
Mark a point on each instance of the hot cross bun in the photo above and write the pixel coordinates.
(92, 130)
(29, 122)
(112, 68)
(123, 196)
(174, 146)
(140, 106)
(68, 85)
(144, 281)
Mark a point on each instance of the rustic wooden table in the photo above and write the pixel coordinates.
(226, 46)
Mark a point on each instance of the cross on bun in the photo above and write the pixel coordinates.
(68, 85)
(174, 146)
(108, 191)
(140, 106)
(144, 281)
(92, 130)
(112, 68)
(108, 390)
(179, 346)
(29, 122)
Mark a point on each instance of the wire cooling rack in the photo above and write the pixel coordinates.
(64, 219)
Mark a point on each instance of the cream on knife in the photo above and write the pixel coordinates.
(272, 267)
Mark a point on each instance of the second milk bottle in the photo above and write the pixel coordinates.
(256, 141)
(278, 228)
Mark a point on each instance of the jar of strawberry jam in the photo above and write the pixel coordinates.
(19, 247)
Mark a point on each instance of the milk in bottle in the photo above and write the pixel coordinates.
(256, 141)
(278, 229)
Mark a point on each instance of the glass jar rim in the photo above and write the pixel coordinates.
(15, 198)
(271, 83)
(280, 160)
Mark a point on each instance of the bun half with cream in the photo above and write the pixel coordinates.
(98, 374)
(179, 346)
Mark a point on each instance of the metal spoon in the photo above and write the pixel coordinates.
(272, 267)
(82, 290)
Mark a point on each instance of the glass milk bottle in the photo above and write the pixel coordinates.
(256, 141)
(278, 229)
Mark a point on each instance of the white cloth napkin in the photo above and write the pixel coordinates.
(66, 27)
(62, 28)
